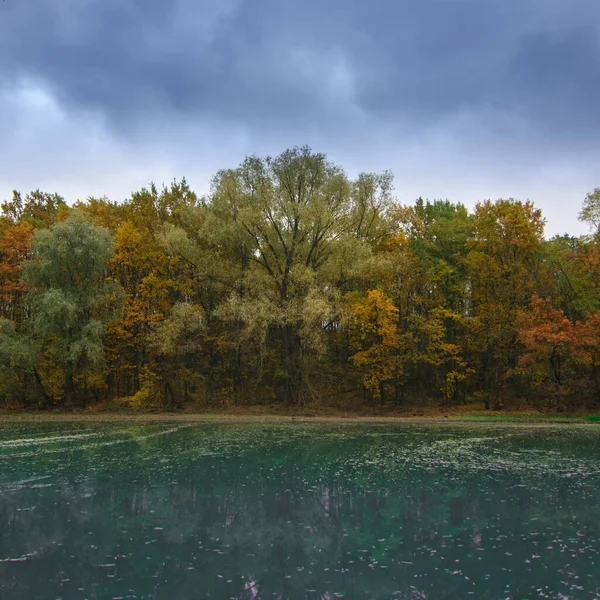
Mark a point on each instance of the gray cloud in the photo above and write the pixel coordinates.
(269, 61)
(471, 92)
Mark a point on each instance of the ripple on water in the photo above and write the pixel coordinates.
(299, 511)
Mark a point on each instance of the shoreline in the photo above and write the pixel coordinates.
(463, 417)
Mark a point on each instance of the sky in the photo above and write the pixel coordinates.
(461, 99)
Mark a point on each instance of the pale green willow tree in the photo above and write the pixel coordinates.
(71, 300)
(290, 230)
(18, 356)
(590, 211)
(179, 343)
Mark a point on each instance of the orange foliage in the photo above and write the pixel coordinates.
(15, 242)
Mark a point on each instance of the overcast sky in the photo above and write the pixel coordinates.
(461, 99)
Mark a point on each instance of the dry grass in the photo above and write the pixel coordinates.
(278, 413)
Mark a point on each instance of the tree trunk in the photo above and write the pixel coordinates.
(47, 399)
(292, 366)
(69, 386)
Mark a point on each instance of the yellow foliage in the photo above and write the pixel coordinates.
(145, 396)
(374, 337)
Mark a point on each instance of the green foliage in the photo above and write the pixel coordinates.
(291, 281)
(71, 302)
(39, 209)
(182, 332)
(590, 211)
(16, 351)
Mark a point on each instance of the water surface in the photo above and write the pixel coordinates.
(180, 510)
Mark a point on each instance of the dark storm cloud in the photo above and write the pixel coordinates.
(273, 62)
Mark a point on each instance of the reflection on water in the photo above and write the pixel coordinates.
(177, 511)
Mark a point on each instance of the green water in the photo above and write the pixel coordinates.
(177, 511)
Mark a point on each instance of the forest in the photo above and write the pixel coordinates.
(293, 283)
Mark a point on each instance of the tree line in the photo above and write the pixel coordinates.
(292, 282)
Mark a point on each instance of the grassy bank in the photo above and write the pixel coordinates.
(468, 413)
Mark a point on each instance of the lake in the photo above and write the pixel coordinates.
(179, 510)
